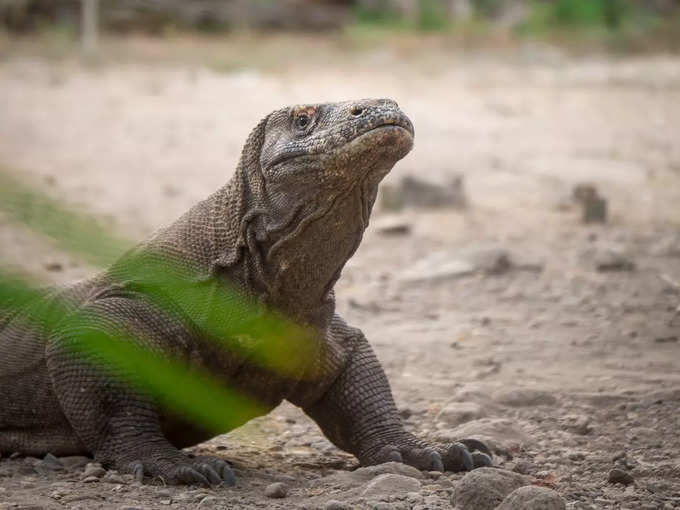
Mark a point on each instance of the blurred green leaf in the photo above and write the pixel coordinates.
(238, 325)
(72, 232)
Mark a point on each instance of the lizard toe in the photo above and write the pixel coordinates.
(476, 445)
(209, 473)
(456, 458)
(425, 459)
(221, 469)
(388, 454)
(481, 460)
(189, 476)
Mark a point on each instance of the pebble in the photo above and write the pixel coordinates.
(486, 488)
(456, 413)
(612, 260)
(364, 474)
(276, 490)
(526, 397)
(392, 226)
(620, 476)
(391, 484)
(113, 478)
(74, 462)
(334, 504)
(90, 479)
(498, 433)
(533, 498)
(93, 469)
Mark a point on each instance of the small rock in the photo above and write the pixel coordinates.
(414, 192)
(53, 266)
(392, 226)
(383, 506)
(620, 476)
(533, 498)
(395, 468)
(90, 479)
(334, 504)
(113, 478)
(486, 488)
(666, 339)
(523, 467)
(49, 464)
(526, 397)
(94, 469)
(209, 501)
(499, 433)
(489, 260)
(612, 260)
(455, 413)
(577, 423)
(594, 207)
(391, 484)
(74, 462)
(276, 490)
(438, 266)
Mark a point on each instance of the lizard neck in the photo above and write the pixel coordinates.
(299, 258)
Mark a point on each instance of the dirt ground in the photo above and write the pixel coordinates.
(567, 368)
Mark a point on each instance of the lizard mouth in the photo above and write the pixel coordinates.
(396, 130)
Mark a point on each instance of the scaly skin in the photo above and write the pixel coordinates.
(278, 233)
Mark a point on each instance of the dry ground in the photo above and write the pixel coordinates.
(569, 367)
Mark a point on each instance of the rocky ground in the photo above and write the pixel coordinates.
(501, 316)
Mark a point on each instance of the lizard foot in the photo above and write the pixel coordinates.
(464, 455)
(205, 471)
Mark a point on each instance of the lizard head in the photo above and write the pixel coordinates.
(312, 174)
(335, 141)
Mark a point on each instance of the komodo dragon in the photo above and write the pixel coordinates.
(280, 230)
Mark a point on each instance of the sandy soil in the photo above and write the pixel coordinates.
(567, 370)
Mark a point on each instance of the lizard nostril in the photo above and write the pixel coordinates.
(357, 110)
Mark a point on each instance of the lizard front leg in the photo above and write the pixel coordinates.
(357, 413)
(118, 424)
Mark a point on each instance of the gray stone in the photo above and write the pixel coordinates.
(49, 464)
(593, 206)
(94, 469)
(364, 474)
(498, 433)
(526, 397)
(620, 476)
(456, 413)
(391, 484)
(438, 266)
(276, 490)
(613, 260)
(489, 259)
(392, 226)
(74, 462)
(486, 488)
(533, 498)
(415, 192)
(334, 504)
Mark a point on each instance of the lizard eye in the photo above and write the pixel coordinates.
(302, 121)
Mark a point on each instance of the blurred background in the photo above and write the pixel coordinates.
(530, 241)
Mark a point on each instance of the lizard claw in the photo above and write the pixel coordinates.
(205, 471)
(137, 469)
(481, 460)
(457, 458)
(476, 444)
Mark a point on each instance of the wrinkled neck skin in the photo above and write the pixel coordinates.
(295, 245)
